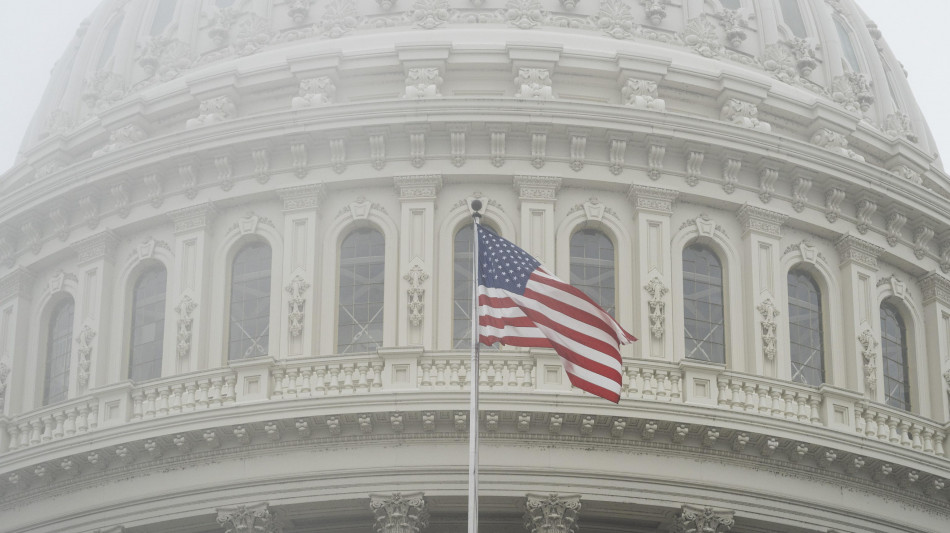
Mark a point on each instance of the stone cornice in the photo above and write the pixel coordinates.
(193, 218)
(852, 249)
(537, 188)
(418, 187)
(652, 199)
(99, 246)
(763, 221)
(303, 197)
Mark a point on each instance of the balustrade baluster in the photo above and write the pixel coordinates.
(93, 417)
(454, 373)
(38, 430)
(334, 386)
(440, 379)
(884, 431)
(662, 386)
(191, 389)
(49, 425)
(163, 401)
(482, 374)
(176, 400)
(725, 393)
(425, 367)
(791, 406)
(676, 391)
(290, 391)
(765, 401)
(278, 392)
(13, 432)
(649, 385)
(815, 401)
(230, 389)
(750, 397)
(529, 377)
(150, 395)
(512, 381)
(737, 394)
(361, 384)
(348, 378)
(636, 383)
(376, 370)
(940, 444)
(320, 387)
(915, 440)
(217, 384)
(928, 440)
(202, 400)
(69, 425)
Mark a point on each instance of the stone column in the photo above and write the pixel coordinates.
(190, 283)
(762, 287)
(936, 292)
(256, 518)
(94, 364)
(858, 263)
(692, 519)
(301, 290)
(552, 513)
(399, 513)
(417, 196)
(15, 290)
(537, 195)
(654, 209)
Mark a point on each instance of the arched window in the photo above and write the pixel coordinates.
(894, 352)
(804, 329)
(108, 45)
(592, 267)
(703, 310)
(148, 325)
(58, 350)
(731, 4)
(250, 302)
(163, 16)
(847, 48)
(360, 319)
(462, 292)
(792, 16)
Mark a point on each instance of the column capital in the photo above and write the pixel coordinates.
(854, 250)
(552, 513)
(193, 217)
(705, 519)
(652, 199)
(934, 287)
(399, 513)
(242, 518)
(537, 188)
(761, 221)
(302, 197)
(16, 283)
(99, 246)
(418, 187)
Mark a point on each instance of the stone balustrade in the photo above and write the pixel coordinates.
(506, 371)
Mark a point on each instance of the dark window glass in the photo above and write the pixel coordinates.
(163, 16)
(223, 3)
(592, 267)
(58, 351)
(250, 302)
(703, 305)
(792, 15)
(362, 274)
(804, 329)
(731, 4)
(894, 352)
(148, 325)
(847, 47)
(462, 307)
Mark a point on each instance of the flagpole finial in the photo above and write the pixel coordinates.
(476, 207)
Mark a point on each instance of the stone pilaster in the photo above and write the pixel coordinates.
(300, 292)
(552, 513)
(190, 284)
(936, 294)
(702, 519)
(255, 518)
(417, 196)
(94, 364)
(399, 513)
(654, 209)
(762, 283)
(15, 292)
(537, 195)
(861, 316)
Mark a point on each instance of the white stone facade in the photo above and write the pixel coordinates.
(662, 125)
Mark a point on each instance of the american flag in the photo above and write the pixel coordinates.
(520, 303)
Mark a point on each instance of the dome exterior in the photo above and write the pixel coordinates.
(235, 270)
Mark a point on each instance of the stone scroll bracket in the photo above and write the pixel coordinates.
(552, 513)
(399, 512)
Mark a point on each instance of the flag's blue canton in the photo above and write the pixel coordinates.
(501, 264)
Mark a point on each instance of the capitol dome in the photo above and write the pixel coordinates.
(235, 270)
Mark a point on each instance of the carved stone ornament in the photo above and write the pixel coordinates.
(418, 186)
(552, 513)
(898, 125)
(185, 309)
(125, 136)
(769, 341)
(694, 167)
(851, 248)
(657, 290)
(730, 174)
(835, 142)
(615, 18)
(701, 36)
(743, 114)
(299, 10)
(429, 14)
(537, 187)
(655, 10)
(399, 513)
(314, 92)
(907, 173)
(423, 83)
(339, 18)
(524, 14)
(853, 92)
(4, 377)
(295, 316)
(655, 160)
(761, 220)
(767, 179)
(616, 153)
(212, 111)
(702, 520)
(534, 83)
(84, 340)
(642, 94)
(869, 345)
(833, 199)
(255, 518)
(416, 294)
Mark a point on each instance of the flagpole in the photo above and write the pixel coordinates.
(473, 384)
